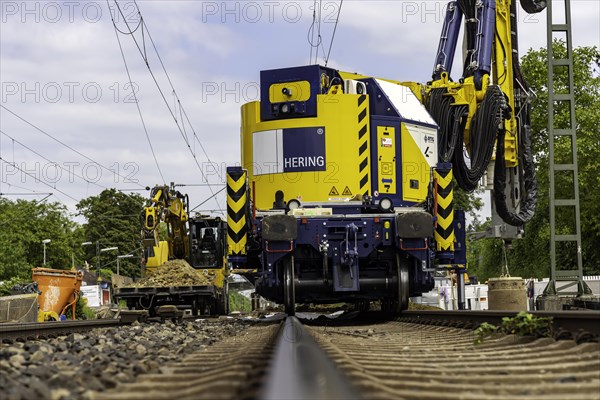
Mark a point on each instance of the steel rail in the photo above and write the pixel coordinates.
(573, 321)
(301, 369)
(38, 330)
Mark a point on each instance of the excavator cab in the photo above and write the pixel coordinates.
(207, 236)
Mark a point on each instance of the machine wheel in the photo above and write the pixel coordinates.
(403, 285)
(393, 306)
(289, 289)
(195, 308)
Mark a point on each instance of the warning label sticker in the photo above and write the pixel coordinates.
(333, 192)
(347, 191)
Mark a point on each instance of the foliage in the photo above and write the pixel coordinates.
(522, 324)
(530, 256)
(471, 203)
(525, 324)
(82, 311)
(113, 219)
(484, 331)
(106, 274)
(23, 226)
(237, 302)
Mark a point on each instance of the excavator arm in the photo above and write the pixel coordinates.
(169, 206)
(484, 115)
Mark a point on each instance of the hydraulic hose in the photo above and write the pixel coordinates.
(451, 120)
(484, 129)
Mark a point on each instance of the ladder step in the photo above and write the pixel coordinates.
(574, 273)
(560, 27)
(561, 61)
(566, 238)
(563, 132)
(563, 97)
(564, 167)
(565, 202)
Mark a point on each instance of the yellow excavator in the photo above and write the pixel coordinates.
(200, 240)
(169, 206)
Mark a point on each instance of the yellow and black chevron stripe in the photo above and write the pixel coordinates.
(237, 201)
(363, 143)
(444, 231)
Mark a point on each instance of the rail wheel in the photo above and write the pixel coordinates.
(403, 285)
(393, 306)
(289, 289)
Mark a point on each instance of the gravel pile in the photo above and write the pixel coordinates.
(174, 273)
(73, 366)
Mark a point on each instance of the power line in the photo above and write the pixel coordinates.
(53, 162)
(34, 177)
(67, 146)
(311, 32)
(31, 191)
(142, 51)
(23, 188)
(137, 104)
(214, 194)
(334, 29)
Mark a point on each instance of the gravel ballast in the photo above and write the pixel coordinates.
(73, 366)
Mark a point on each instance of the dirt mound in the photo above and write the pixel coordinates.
(174, 273)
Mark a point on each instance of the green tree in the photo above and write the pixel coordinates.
(531, 255)
(23, 226)
(113, 219)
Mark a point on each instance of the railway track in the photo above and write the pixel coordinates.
(375, 360)
(51, 329)
(582, 325)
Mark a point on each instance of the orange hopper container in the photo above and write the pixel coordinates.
(59, 289)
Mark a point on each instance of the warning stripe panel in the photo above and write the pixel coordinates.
(444, 231)
(236, 213)
(363, 145)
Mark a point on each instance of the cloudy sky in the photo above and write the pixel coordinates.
(69, 122)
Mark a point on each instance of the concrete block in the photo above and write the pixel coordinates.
(19, 308)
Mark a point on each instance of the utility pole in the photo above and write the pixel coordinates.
(45, 242)
(123, 256)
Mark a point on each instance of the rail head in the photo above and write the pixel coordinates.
(301, 369)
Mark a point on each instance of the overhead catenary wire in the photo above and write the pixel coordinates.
(34, 177)
(180, 106)
(137, 104)
(142, 51)
(334, 30)
(205, 201)
(52, 162)
(23, 188)
(316, 23)
(67, 146)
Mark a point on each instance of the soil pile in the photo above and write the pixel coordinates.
(174, 273)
